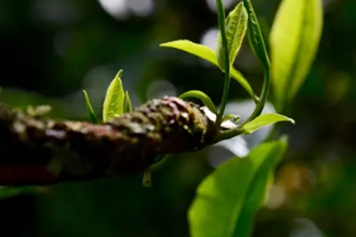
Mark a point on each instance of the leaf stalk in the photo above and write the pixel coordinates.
(221, 21)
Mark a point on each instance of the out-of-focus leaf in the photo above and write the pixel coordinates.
(235, 27)
(208, 54)
(90, 109)
(228, 198)
(147, 179)
(127, 103)
(114, 98)
(8, 192)
(265, 120)
(201, 96)
(294, 40)
(38, 111)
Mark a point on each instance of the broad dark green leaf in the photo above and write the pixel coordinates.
(294, 40)
(202, 97)
(265, 120)
(127, 103)
(235, 26)
(90, 109)
(256, 197)
(114, 98)
(228, 199)
(208, 54)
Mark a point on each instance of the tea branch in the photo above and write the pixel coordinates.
(43, 151)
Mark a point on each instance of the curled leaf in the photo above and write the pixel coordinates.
(255, 36)
(201, 96)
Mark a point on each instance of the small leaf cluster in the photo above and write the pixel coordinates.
(117, 101)
(239, 22)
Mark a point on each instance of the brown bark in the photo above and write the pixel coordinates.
(44, 151)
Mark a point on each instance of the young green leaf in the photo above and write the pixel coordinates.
(114, 99)
(127, 103)
(294, 40)
(198, 50)
(255, 36)
(201, 96)
(90, 109)
(228, 199)
(233, 117)
(257, 43)
(208, 54)
(265, 120)
(236, 26)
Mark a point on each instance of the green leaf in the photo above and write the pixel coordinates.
(233, 117)
(258, 46)
(201, 96)
(243, 82)
(127, 103)
(90, 109)
(208, 54)
(198, 50)
(255, 36)
(257, 193)
(8, 192)
(294, 40)
(265, 120)
(114, 99)
(236, 26)
(228, 199)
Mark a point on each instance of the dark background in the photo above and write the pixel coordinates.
(52, 49)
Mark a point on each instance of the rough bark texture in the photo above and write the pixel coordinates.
(44, 151)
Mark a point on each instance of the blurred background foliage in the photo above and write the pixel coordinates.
(52, 49)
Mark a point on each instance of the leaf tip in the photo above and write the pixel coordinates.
(171, 43)
(119, 74)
